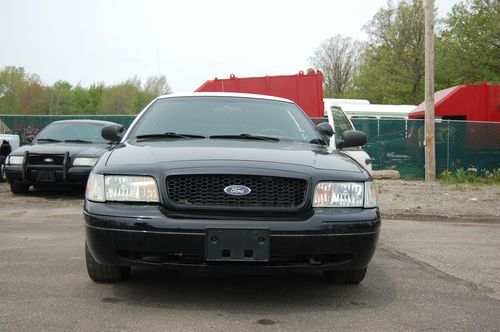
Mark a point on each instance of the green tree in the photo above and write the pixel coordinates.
(87, 101)
(34, 98)
(337, 58)
(157, 85)
(13, 80)
(23, 93)
(392, 68)
(61, 98)
(468, 48)
(119, 99)
(94, 97)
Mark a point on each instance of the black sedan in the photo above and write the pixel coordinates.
(224, 182)
(62, 154)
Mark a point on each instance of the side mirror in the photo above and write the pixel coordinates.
(30, 138)
(351, 138)
(113, 133)
(325, 129)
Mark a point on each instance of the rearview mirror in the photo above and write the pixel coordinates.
(325, 129)
(113, 133)
(351, 138)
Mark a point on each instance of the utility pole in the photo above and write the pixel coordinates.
(430, 142)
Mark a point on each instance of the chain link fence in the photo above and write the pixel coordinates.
(392, 143)
(399, 144)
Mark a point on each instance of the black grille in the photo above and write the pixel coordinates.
(45, 159)
(208, 191)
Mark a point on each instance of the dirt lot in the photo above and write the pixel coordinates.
(414, 200)
(417, 200)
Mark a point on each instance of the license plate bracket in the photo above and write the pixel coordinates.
(243, 245)
(45, 176)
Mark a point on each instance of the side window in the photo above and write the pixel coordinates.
(340, 121)
(317, 121)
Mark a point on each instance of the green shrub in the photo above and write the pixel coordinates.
(471, 176)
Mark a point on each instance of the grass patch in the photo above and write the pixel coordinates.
(470, 176)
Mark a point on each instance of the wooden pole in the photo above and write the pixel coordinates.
(430, 144)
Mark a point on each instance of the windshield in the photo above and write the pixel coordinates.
(215, 116)
(71, 131)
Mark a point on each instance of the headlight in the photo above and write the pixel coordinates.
(15, 160)
(345, 194)
(121, 188)
(338, 194)
(85, 161)
(130, 188)
(95, 188)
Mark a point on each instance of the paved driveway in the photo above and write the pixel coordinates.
(424, 276)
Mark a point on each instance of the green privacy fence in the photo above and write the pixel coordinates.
(399, 144)
(392, 143)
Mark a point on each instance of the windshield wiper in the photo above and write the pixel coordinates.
(48, 140)
(247, 136)
(169, 135)
(77, 141)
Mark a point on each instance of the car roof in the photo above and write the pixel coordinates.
(98, 122)
(225, 94)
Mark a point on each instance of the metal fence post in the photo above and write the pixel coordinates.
(448, 145)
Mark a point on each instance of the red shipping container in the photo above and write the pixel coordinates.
(306, 90)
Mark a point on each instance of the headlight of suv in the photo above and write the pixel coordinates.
(15, 160)
(345, 194)
(121, 188)
(85, 161)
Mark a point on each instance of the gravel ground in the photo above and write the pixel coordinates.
(414, 200)
(418, 200)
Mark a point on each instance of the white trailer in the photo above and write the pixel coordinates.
(330, 102)
(377, 111)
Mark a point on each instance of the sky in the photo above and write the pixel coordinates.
(189, 41)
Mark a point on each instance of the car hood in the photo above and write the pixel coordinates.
(164, 151)
(86, 150)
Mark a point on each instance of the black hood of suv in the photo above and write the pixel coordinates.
(148, 152)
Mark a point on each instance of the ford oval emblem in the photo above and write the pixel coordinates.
(48, 160)
(237, 190)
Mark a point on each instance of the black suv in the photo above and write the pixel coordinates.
(62, 154)
(218, 182)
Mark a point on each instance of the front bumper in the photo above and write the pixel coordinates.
(132, 235)
(61, 176)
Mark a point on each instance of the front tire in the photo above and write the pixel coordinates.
(19, 188)
(3, 178)
(106, 273)
(349, 277)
